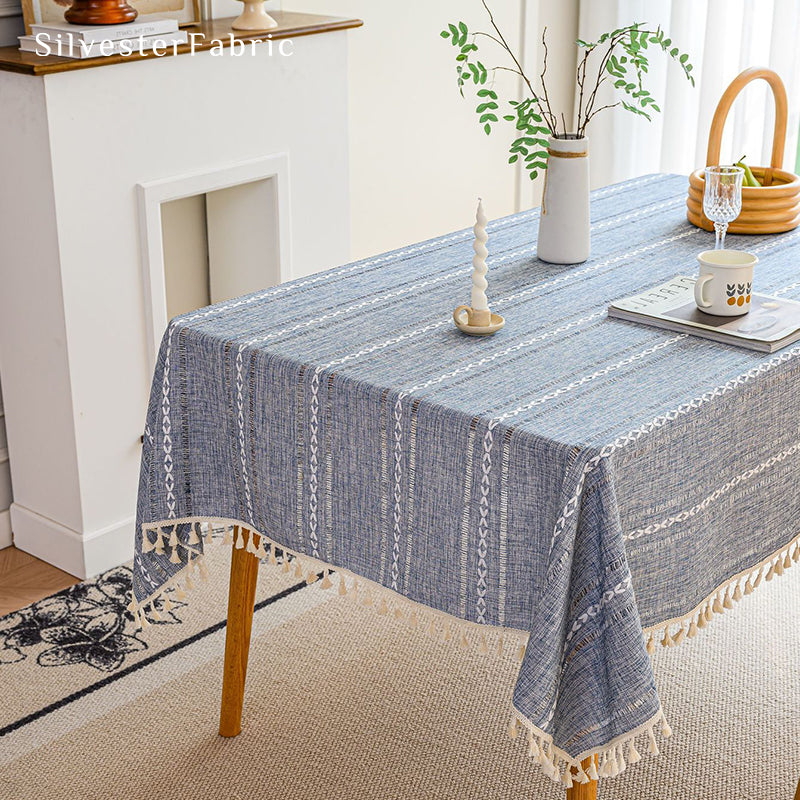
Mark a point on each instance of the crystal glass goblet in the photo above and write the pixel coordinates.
(722, 199)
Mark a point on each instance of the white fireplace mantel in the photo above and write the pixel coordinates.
(82, 148)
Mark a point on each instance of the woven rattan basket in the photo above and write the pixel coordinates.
(775, 206)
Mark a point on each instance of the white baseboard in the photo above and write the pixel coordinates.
(82, 555)
(5, 529)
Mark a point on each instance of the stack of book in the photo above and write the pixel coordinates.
(90, 41)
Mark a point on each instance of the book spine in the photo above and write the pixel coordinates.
(108, 33)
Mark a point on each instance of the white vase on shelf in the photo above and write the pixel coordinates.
(564, 236)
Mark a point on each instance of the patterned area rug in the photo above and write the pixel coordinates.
(343, 703)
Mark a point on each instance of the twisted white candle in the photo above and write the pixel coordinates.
(479, 283)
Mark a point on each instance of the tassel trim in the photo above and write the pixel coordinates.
(385, 602)
(672, 632)
(606, 762)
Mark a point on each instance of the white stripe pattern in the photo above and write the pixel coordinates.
(166, 429)
(743, 477)
(398, 477)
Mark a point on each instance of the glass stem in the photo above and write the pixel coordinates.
(720, 228)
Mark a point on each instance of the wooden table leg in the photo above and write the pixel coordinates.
(797, 792)
(583, 791)
(241, 601)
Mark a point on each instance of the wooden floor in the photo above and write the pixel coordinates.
(24, 579)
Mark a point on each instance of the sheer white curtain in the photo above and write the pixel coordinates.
(722, 37)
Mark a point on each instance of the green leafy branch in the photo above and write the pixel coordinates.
(622, 59)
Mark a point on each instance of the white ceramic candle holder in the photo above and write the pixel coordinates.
(254, 18)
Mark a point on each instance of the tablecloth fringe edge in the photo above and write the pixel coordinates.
(606, 762)
(437, 624)
(722, 598)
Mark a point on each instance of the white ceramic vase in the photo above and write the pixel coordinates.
(564, 236)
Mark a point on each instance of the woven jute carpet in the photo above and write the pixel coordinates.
(344, 703)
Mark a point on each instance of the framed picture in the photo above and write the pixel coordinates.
(44, 12)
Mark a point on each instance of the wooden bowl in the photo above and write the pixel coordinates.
(774, 207)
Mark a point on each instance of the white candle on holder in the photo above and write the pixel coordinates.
(479, 282)
(477, 319)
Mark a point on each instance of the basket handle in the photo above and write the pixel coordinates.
(724, 106)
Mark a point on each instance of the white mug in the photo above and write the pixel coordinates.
(725, 282)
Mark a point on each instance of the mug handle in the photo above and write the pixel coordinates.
(458, 312)
(698, 290)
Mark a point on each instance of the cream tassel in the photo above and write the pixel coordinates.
(326, 580)
(273, 559)
(342, 585)
(737, 593)
(757, 581)
(298, 568)
(286, 565)
(667, 640)
(173, 537)
(513, 728)
(226, 536)
(709, 614)
(678, 637)
(748, 587)
(692, 632)
(593, 769)
(154, 611)
(787, 561)
(193, 537)
(701, 620)
(209, 535)
(484, 647)
(770, 573)
(533, 748)
(796, 553)
(261, 552)
(651, 644)
(398, 612)
(240, 539)
(384, 609)
(179, 593)
(717, 605)
(621, 761)
(368, 601)
(652, 747)
(250, 540)
(633, 753)
(160, 542)
(145, 623)
(666, 731)
(521, 652)
(312, 577)
(174, 557)
(189, 582)
(412, 618)
(432, 627)
(567, 777)
(167, 604)
(727, 602)
(779, 566)
(500, 645)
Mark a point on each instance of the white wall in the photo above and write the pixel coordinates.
(418, 158)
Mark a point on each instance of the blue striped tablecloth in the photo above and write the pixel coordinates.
(572, 479)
